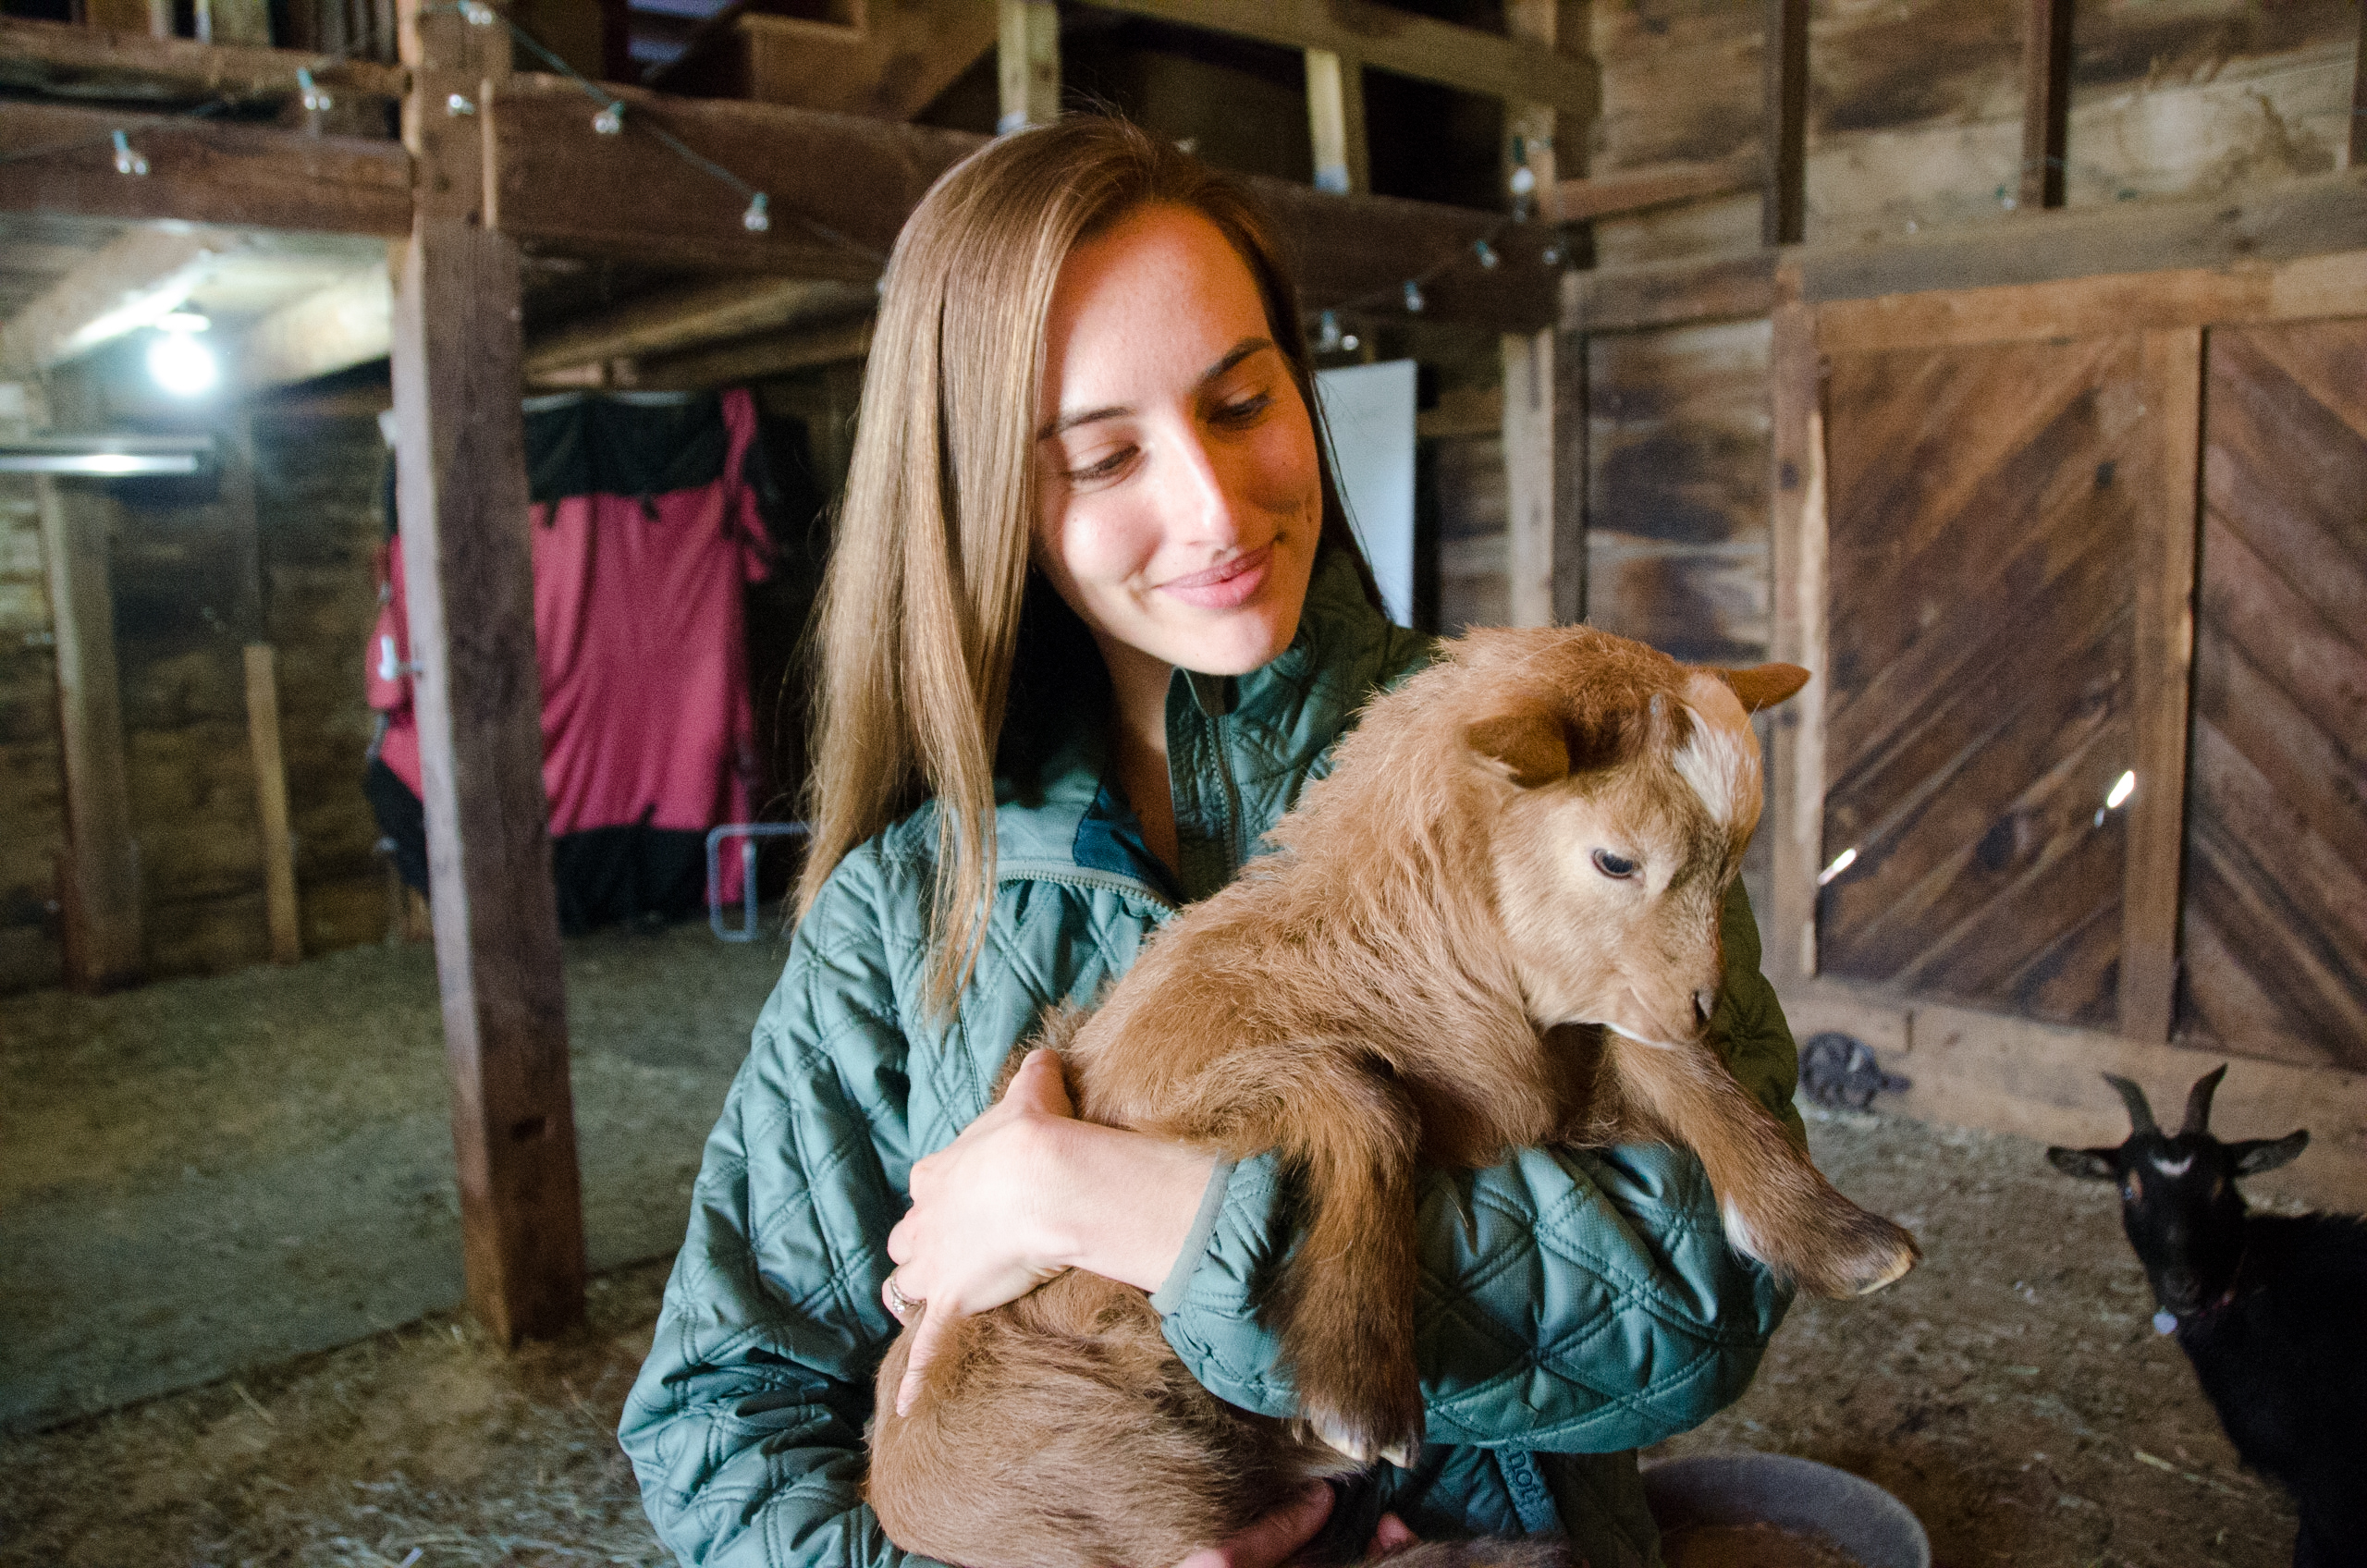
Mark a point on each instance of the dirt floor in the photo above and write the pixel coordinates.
(2011, 1391)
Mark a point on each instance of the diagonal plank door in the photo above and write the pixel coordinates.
(2274, 959)
(1985, 504)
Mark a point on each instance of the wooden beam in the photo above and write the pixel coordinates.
(98, 61)
(690, 320)
(1783, 204)
(234, 21)
(1028, 63)
(1650, 294)
(2044, 1082)
(271, 804)
(100, 871)
(350, 322)
(891, 67)
(753, 358)
(1797, 542)
(153, 17)
(462, 497)
(123, 287)
(1393, 40)
(1336, 122)
(1655, 185)
(2046, 101)
(200, 171)
(2162, 679)
(1530, 491)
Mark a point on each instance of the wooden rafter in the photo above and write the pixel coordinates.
(126, 285)
(2046, 102)
(679, 322)
(133, 64)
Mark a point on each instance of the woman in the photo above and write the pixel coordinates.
(1093, 617)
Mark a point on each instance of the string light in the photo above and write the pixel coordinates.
(1486, 252)
(1414, 300)
(610, 121)
(758, 218)
(127, 161)
(315, 99)
(458, 105)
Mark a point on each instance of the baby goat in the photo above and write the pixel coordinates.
(2272, 1309)
(1494, 925)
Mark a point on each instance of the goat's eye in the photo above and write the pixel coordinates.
(1613, 867)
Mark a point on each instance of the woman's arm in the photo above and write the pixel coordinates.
(1579, 1300)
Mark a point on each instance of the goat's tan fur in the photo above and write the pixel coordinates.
(1433, 968)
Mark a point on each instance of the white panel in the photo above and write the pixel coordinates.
(1370, 411)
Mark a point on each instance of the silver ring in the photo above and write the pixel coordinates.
(897, 1302)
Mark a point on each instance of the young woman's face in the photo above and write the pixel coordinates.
(1175, 460)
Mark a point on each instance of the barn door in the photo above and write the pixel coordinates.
(1995, 519)
(2276, 903)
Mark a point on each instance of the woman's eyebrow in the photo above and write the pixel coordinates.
(1233, 356)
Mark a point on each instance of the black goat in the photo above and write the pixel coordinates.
(2272, 1309)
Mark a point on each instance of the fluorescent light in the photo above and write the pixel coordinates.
(1841, 863)
(182, 321)
(181, 365)
(105, 455)
(2121, 792)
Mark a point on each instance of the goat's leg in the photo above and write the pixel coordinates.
(1346, 1311)
(1778, 1208)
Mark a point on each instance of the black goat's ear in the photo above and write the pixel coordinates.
(2255, 1155)
(2093, 1165)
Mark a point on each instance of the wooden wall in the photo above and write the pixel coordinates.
(280, 551)
(1915, 124)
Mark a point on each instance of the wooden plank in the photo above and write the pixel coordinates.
(1530, 442)
(1798, 550)
(123, 286)
(1652, 294)
(101, 865)
(753, 358)
(202, 171)
(2046, 101)
(271, 801)
(109, 59)
(153, 17)
(1783, 202)
(1336, 115)
(674, 322)
(2357, 150)
(567, 189)
(1573, 464)
(346, 324)
(462, 497)
(234, 21)
(1655, 185)
(2312, 216)
(893, 66)
(2039, 1081)
(1393, 40)
(2171, 368)
(1027, 64)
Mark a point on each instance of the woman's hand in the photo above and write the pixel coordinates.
(1025, 1192)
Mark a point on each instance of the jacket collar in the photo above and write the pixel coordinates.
(1240, 748)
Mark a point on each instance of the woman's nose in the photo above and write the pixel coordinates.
(1205, 506)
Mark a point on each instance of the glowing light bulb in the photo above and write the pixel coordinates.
(2121, 792)
(182, 365)
(1841, 863)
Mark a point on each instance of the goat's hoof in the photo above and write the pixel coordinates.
(1882, 1256)
(1362, 1450)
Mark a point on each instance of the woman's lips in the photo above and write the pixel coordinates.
(1224, 587)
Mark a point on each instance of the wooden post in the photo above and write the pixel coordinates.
(1536, 441)
(1795, 787)
(1784, 204)
(271, 804)
(462, 494)
(2046, 102)
(1027, 64)
(2359, 97)
(1335, 119)
(101, 869)
(2163, 675)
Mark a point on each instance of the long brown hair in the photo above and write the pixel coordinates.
(921, 611)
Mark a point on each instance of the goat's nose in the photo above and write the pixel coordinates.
(1705, 1002)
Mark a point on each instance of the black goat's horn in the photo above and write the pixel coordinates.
(2140, 1115)
(2198, 1100)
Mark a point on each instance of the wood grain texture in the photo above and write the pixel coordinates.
(1796, 487)
(2275, 901)
(462, 497)
(1983, 509)
(2163, 677)
(1783, 95)
(271, 804)
(2046, 100)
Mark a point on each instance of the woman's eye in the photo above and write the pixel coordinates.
(1101, 467)
(1245, 410)
(1612, 866)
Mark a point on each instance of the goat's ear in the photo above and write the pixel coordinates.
(2255, 1155)
(2091, 1165)
(1524, 745)
(1763, 685)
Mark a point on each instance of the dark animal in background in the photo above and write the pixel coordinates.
(2271, 1308)
(1839, 1073)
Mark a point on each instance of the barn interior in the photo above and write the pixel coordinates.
(2002, 362)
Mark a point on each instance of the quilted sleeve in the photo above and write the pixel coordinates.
(1574, 1301)
(746, 1425)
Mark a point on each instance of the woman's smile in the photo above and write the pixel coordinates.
(1225, 585)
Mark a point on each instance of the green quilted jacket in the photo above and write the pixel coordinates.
(1573, 1304)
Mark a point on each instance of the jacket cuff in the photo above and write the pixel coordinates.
(1170, 1294)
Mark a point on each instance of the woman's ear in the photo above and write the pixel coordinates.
(1763, 685)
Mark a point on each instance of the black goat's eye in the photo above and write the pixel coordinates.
(1613, 867)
